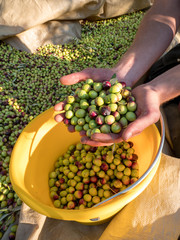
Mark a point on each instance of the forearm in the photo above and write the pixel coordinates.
(167, 85)
(154, 35)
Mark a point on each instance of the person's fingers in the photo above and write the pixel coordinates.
(97, 74)
(86, 140)
(107, 138)
(59, 106)
(73, 78)
(59, 117)
(142, 122)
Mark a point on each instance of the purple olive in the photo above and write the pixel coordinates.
(93, 113)
(106, 85)
(100, 119)
(105, 110)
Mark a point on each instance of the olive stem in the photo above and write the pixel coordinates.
(112, 190)
(62, 111)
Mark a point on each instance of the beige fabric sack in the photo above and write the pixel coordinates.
(28, 24)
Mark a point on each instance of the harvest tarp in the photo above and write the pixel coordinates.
(28, 24)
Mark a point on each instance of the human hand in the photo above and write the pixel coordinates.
(97, 74)
(61, 116)
(148, 112)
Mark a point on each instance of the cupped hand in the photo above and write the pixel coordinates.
(97, 74)
(148, 112)
(61, 116)
(147, 108)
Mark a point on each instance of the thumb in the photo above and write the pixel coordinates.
(136, 127)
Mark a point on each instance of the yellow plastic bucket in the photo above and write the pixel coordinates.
(44, 140)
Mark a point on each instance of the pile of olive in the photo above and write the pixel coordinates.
(86, 175)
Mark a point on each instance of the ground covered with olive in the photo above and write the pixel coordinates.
(29, 84)
(85, 176)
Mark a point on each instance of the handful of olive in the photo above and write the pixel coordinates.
(100, 107)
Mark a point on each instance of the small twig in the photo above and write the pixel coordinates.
(62, 111)
(113, 148)
(112, 190)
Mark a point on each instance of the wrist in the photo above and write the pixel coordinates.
(126, 70)
(156, 92)
(167, 85)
